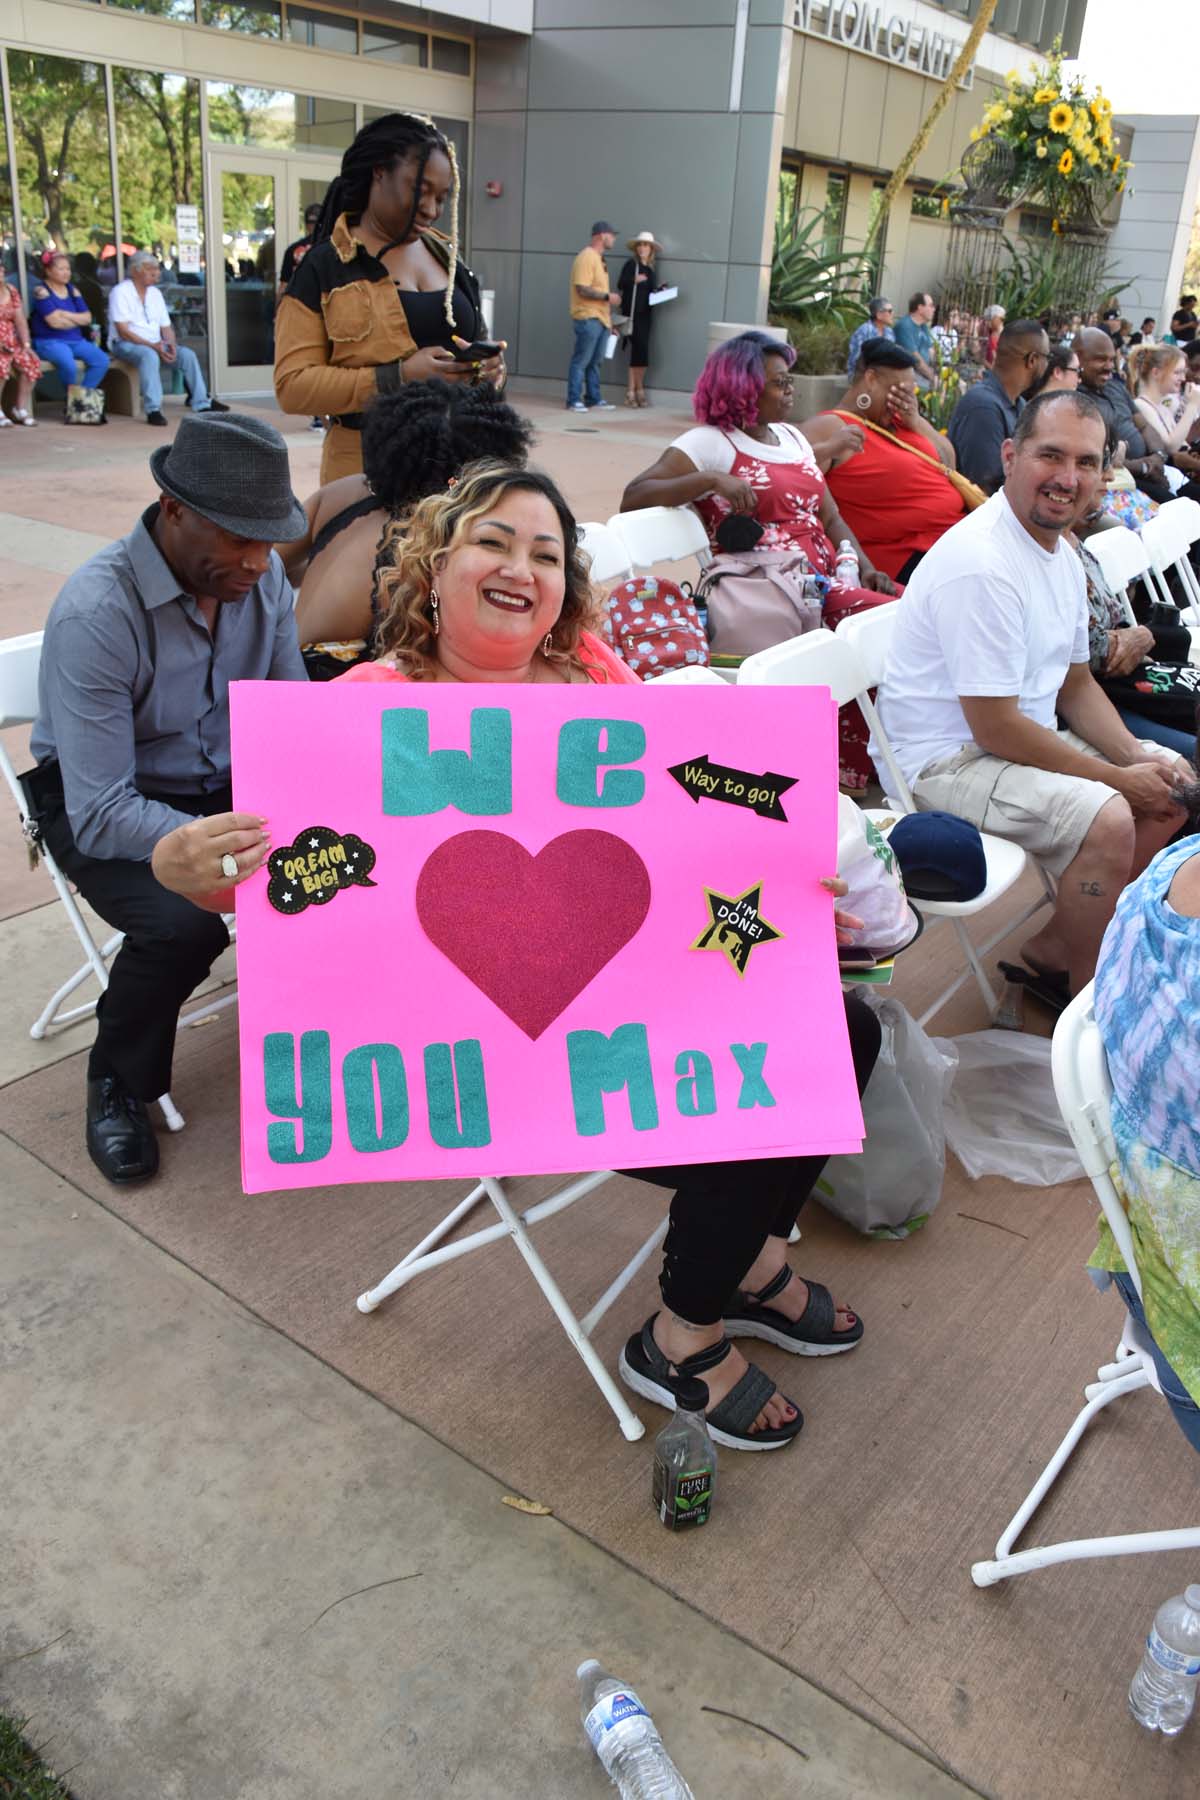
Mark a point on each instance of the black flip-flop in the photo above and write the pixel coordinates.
(1051, 986)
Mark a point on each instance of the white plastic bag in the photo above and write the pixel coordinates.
(1002, 1117)
(891, 1189)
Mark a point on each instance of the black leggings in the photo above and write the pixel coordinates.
(723, 1212)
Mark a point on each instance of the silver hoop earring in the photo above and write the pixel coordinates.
(433, 605)
(863, 402)
(547, 644)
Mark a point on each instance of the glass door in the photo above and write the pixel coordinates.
(308, 178)
(248, 199)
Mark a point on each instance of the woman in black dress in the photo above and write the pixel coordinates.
(637, 281)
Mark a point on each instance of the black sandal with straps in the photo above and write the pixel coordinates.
(647, 1371)
(812, 1334)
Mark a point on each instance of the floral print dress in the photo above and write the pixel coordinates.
(13, 354)
(790, 495)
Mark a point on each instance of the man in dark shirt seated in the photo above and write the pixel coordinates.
(986, 415)
(1098, 377)
(132, 737)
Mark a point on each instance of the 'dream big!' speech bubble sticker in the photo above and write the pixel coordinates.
(526, 930)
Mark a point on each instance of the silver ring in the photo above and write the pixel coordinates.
(229, 867)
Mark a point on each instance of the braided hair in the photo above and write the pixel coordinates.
(381, 145)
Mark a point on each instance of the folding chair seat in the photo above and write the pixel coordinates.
(608, 556)
(659, 534)
(825, 659)
(692, 673)
(431, 1252)
(19, 660)
(1084, 1094)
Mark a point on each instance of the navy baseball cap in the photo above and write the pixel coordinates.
(603, 225)
(941, 857)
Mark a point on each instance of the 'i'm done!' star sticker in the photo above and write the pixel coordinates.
(735, 926)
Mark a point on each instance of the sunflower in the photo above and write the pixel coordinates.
(1101, 108)
(1056, 228)
(1066, 162)
(1116, 164)
(1045, 96)
(1062, 117)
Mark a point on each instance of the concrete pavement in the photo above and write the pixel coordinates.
(228, 1573)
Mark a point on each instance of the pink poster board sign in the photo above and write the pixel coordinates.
(524, 930)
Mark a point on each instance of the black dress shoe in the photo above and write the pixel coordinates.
(156, 418)
(120, 1140)
(217, 406)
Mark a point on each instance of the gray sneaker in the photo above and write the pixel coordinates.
(577, 407)
(602, 406)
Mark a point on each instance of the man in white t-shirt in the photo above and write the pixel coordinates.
(990, 650)
(140, 332)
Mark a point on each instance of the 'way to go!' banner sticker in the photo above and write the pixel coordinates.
(530, 930)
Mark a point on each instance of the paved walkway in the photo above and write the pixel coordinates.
(230, 1574)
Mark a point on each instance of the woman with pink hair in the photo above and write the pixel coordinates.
(744, 458)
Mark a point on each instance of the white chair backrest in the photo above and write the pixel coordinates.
(609, 558)
(1083, 1089)
(817, 659)
(19, 660)
(827, 659)
(1122, 556)
(689, 675)
(658, 534)
(1163, 540)
(869, 635)
(1184, 515)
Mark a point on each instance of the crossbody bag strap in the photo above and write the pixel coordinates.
(870, 424)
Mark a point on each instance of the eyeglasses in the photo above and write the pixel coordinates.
(1073, 369)
(782, 381)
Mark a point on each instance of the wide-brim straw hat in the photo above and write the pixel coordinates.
(644, 237)
(232, 469)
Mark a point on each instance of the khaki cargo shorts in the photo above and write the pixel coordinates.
(1049, 815)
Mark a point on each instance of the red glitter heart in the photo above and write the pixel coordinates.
(532, 931)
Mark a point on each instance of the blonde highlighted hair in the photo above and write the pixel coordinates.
(439, 525)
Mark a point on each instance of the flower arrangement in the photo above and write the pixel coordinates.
(1062, 138)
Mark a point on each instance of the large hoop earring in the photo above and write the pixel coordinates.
(863, 402)
(433, 611)
(547, 643)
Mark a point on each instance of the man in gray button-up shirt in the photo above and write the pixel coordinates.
(132, 735)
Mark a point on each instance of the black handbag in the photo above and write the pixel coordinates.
(1166, 692)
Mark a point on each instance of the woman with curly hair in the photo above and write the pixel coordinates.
(490, 586)
(415, 443)
(382, 297)
(745, 458)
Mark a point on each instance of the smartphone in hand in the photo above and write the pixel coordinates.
(479, 351)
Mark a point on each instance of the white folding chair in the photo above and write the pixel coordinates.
(658, 534)
(428, 1255)
(19, 660)
(1122, 557)
(609, 558)
(692, 673)
(1167, 539)
(1084, 1093)
(825, 659)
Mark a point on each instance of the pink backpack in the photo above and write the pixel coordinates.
(653, 626)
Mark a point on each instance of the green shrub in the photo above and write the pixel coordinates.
(820, 343)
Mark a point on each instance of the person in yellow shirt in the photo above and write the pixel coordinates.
(591, 299)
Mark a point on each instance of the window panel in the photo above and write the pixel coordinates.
(321, 30)
(387, 43)
(260, 18)
(60, 115)
(182, 10)
(159, 171)
(452, 56)
(274, 119)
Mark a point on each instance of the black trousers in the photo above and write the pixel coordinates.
(724, 1212)
(170, 945)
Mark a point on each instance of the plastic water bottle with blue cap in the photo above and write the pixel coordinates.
(622, 1734)
(1163, 1692)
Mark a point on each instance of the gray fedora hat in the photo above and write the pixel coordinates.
(232, 468)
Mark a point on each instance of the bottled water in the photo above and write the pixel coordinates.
(845, 569)
(684, 1481)
(622, 1734)
(1163, 1692)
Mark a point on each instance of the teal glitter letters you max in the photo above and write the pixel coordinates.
(418, 781)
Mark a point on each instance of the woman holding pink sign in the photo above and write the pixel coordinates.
(489, 585)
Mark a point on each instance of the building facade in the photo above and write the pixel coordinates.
(201, 128)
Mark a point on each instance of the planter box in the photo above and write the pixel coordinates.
(817, 393)
(720, 331)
